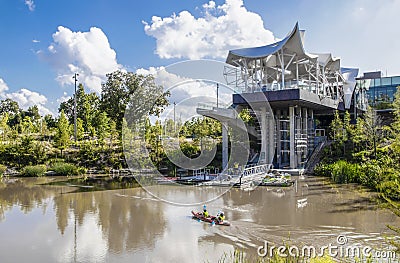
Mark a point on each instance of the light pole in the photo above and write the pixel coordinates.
(76, 79)
(217, 93)
(174, 119)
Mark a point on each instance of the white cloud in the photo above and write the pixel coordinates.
(221, 28)
(63, 98)
(27, 98)
(31, 5)
(3, 87)
(87, 53)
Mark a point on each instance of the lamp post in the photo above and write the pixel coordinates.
(217, 93)
(76, 79)
(174, 120)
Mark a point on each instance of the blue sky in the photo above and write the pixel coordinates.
(44, 42)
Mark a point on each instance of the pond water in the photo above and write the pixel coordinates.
(53, 223)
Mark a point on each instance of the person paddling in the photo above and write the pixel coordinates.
(205, 212)
(221, 217)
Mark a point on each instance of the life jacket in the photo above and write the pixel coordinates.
(221, 218)
(205, 213)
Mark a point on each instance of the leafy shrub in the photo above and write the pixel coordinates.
(390, 189)
(323, 169)
(66, 169)
(34, 170)
(340, 171)
(3, 169)
(345, 172)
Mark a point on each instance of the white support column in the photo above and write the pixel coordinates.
(298, 133)
(309, 78)
(263, 153)
(317, 77)
(305, 120)
(305, 128)
(271, 139)
(323, 82)
(283, 70)
(297, 71)
(225, 150)
(292, 133)
(278, 138)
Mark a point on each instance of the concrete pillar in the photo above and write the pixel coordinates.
(278, 138)
(264, 127)
(283, 70)
(292, 144)
(270, 136)
(298, 135)
(225, 150)
(305, 129)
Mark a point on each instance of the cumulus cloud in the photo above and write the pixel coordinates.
(3, 87)
(87, 53)
(31, 5)
(63, 98)
(27, 98)
(220, 29)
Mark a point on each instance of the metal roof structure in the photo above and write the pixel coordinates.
(286, 65)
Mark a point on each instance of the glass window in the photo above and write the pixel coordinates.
(396, 80)
(371, 96)
(381, 94)
(390, 93)
(386, 81)
(377, 82)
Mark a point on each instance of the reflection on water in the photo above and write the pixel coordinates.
(55, 224)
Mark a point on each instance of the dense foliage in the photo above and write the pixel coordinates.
(33, 141)
(367, 152)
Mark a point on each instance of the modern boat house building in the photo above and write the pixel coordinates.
(287, 89)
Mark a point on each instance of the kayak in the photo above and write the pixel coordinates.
(210, 219)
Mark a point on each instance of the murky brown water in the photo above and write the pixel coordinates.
(47, 224)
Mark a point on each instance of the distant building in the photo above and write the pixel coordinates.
(379, 90)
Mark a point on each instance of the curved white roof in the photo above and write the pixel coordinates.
(292, 43)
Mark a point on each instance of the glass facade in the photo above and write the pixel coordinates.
(380, 91)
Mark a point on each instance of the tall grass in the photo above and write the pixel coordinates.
(241, 257)
(341, 172)
(34, 170)
(65, 169)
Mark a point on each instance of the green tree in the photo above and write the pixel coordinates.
(80, 131)
(10, 106)
(337, 129)
(137, 92)
(63, 137)
(14, 112)
(113, 132)
(372, 129)
(102, 127)
(33, 112)
(86, 107)
(5, 129)
(50, 121)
